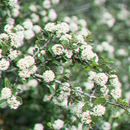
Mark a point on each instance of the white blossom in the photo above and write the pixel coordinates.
(38, 126)
(58, 49)
(48, 76)
(101, 79)
(35, 18)
(52, 15)
(27, 24)
(26, 62)
(58, 124)
(86, 118)
(46, 4)
(106, 126)
(36, 29)
(14, 54)
(13, 102)
(51, 27)
(6, 93)
(116, 93)
(62, 28)
(99, 110)
(29, 34)
(4, 64)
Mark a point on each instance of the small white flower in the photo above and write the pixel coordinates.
(116, 93)
(66, 38)
(58, 124)
(13, 102)
(114, 81)
(8, 28)
(68, 53)
(14, 54)
(35, 18)
(33, 69)
(26, 62)
(38, 126)
(24, 73)
(4, 37)
(58, 49)
(29, 34)
(62, 28)
(6, 93)
(46, 4)
(48, 76)
(15, 12)
(73, 27)
(80, 39)
(13, 3)
(101, 79)
(52, 15)
(82, 22)
(99, 110)
(106, 126)
(18, 28)
(16, 39)
(55, 1)
(89, 85)
(92, 75)
(32, 83)
(33, 8)
(27, 24)
(87, 54)
(4, 64)
(36, 29)
(104, 90)
(86, 118)
(51, 27)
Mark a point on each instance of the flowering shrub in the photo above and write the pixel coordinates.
(108, 20)
(39, 64)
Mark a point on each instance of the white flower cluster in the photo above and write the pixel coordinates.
(46, 11)
(86, 118)
(4, 64)
(38, 126)
(6, 93)
(77, 25)
(18, 33)
(58, 124)
(30, 29)
(15, 11)
(48, 76)
(61, 28)
(106, 47)
(99, 110)
(99, 78)
(106, 126)
(87, 53)
(14, 54)
(107, 18)
(12, 101)
(58, 49)
(27, 66)
(116, 92)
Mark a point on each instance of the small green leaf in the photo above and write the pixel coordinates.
(100, 100)
(123, 102)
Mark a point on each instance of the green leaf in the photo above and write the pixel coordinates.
(7, 82)
(123, 102)
(100, 100)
